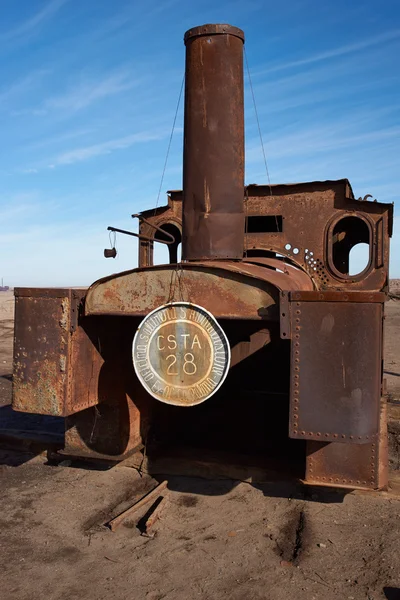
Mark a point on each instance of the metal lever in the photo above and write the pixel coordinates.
(145, 237)
(169, 235)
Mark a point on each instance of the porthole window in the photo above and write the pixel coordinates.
(350, 246)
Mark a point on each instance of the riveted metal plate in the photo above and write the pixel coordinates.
(342, 465)
(336, 363)
(363, 466)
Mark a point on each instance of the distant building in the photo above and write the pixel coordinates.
(3, 288)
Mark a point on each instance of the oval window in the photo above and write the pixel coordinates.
(351, 246)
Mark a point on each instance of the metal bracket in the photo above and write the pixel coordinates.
(285, 316)
(76, 305)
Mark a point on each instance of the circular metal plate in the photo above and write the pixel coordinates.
(180, 353)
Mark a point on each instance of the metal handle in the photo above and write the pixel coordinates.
(144, 237)
(138, 216)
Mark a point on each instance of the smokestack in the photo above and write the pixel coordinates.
(213, 154)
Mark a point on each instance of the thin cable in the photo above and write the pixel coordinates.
(169, 144)
(259, 130)
(258, 121)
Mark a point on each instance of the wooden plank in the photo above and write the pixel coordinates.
(151, 496)
(155, 515)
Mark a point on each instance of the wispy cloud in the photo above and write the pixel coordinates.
(347, 78)
(120, 23)
(334, 52)
(59, 138)
(18, 206)
(87, 152)
(29, 171)
(34, 22)
(319, 139)
(85, 93)
(78, 96)
(21, 86)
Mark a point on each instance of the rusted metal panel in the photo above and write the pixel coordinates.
(118, 424)
(298, 278)
(342, 465)
(336, 296)
(109, 431)
(181, 354)
(228, 290)
(350, 465)
(29, 292)
(56, 363)
(213, 155)
(41, 351)
(86, 363)
(281, 280)
(336, 363)
(225, 294)
(307, 241)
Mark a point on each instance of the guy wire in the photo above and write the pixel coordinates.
(259, 130)
(169, 145)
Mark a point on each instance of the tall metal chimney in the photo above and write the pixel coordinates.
(213, 154)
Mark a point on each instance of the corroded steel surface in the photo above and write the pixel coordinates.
(181, 354)
(213, 154)
(298, 279)
(343, 465)
(118, 424)
(336, 371)
(41, 351)
(336, 296)
(56, 363)
(224, 294)
(213, 29)
(351, 465)
(226, 289)
(86, 365)
(306, 214)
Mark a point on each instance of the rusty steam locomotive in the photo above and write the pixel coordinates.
(258, 346)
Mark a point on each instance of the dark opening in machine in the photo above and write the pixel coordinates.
(264, 224)
(245, 423)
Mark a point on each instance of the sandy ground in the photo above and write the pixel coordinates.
(215, 539)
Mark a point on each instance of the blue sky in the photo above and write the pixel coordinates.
(88, 91)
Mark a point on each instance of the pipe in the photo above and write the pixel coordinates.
(213, 154)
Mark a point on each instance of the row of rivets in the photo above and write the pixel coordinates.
(327, 435)
(295, 417)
